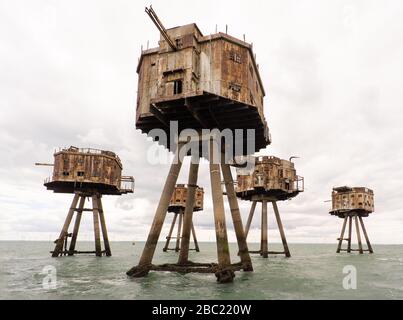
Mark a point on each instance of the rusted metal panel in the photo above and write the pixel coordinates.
(179, 196)
(148, 84)
(78, 166)
(234, 84)
(357, 199)
(224, 60)
(224, 66)
(271, 176)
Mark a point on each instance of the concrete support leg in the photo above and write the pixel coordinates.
(357, 227)
(178, 234)
(60, 242)
(103, 227)
(188, 214)
(366, 236)
(236, 217)
(97, 236)
(225, 274)
(350, 228)
(76, 226)
(66, 240)
(146, 258)
(166, 247)
(195, 239)
(264, 242)
(281, 229)
(250, 217)
(343, 229)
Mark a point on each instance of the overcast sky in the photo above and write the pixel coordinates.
(332, 71)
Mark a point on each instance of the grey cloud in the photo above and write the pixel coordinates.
(331, 70)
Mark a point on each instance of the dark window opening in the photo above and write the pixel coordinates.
(178, 87)
(66, 173)
(80, 174)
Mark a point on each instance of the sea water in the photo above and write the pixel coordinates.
(314, 271)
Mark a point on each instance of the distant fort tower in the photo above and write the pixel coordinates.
(272, 180)
(349, 203)
(177, 206)
(86, 173)
(203, 83)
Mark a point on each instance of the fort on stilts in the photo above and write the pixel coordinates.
(86, 173)
(177, 206)
(271, 180)
(200, 82)
(352, 204)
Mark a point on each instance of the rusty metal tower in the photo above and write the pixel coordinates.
(177, 206)
(201, 83)
(348, 204)
(271, 180)
(86, 173)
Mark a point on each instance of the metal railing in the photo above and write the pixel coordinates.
(299, 184)
(127, 184)
(48, 179)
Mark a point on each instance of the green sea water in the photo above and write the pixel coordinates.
(314, 271)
